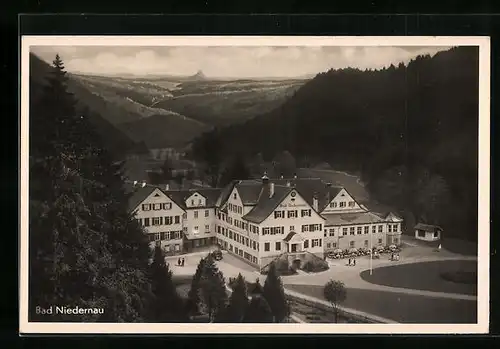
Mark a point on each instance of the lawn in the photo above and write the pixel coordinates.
(424, 276)
(401, 307)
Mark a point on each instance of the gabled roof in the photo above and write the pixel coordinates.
(249, 192)
(180, 196)
(139, 195)
(266, 205)
(392, 217)
(428, 227)
(308, 187)
(333, 219)
(293, 236)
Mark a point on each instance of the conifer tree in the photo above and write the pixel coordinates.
(238, 302)
(258, 311)
(274, 293)
(85, 249)
(193, 300)
(213, 289)
(166, 305)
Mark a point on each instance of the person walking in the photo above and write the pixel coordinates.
(349, 261)
(179, 262)
(182, 261)
(354, 262)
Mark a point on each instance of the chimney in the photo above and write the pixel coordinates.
(265, 178)
(315, 202)
(167, 187)
(135, 183)
(329, 184)
(288, 184)
(327, 197)
(281, 177)
(295, 176)
(271, 190)
(143, 184)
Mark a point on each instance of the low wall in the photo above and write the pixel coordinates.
(353, 314)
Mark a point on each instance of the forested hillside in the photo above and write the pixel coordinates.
(411, 131)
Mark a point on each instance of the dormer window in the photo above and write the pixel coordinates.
(192, 202)
(234, 196)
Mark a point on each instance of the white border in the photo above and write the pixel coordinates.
(482, 325)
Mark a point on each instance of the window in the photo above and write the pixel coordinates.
(351, 203)
(328, 245)
(254, 245)
(192, 202)
(234, 196)
(374, 229)
(306, 243)
(342, 204)
(184, 215)
(379, 228)
(184, 229)
(334, 244)
(156, 236)
(395, 228)
(366, 243)
(292, 228)
(207, 228)
(315, 242)
(167, 206)
(367, 229)
(207, 213)
(389, 228)
(279, 214)
(168, 220)
(344, 231)
(139, 221)
(396, 241)
(359, 230)
(292, 214)
(379, 241)
(157, 221)
(146, 207)
(200, 202)
(333, 205)
(157, 207)
(436, 234)
(305, 213)
(325, 234)
(195, 214)
(265, 231)
(196, 228)
(266, 246)
(351, 244)
(351, 230)
(332, 232)
(305, 228)
(278, 246)
(177, 219)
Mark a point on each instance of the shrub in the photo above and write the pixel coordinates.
(315, 266)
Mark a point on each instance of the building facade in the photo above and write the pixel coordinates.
(260, 220)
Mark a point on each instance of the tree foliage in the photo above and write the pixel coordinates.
(167, 306)
(335, 293)
(238, 301)
(258, 311)
(85, 249)
(274, 293)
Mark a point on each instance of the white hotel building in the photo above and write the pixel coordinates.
(259, 220)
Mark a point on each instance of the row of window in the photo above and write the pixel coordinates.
(238, 251)
(155, 221)
(196, 229)
(235, 208)
(292, 213)
(244, 240)
(311, 227)
(273, 230)
(157, 207)
(195, 213)
(199, 202)
(166, 235)
(342, 204)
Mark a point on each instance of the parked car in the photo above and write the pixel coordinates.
(217, 255)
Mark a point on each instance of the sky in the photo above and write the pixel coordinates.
(227, 62)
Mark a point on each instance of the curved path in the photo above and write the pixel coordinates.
(352, 279)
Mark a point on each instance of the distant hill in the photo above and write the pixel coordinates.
(115, 140)
(411, 131)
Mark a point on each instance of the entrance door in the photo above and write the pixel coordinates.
(294, 247)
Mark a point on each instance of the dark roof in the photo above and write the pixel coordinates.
(428, 227)
(249, 191)
(179, 196)
(139, 195)
(333, 219)
(289, 236)
(266, 205)
(308, 187)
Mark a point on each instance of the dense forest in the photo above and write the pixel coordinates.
(411, 131)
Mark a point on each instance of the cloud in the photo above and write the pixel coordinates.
(226, 61)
